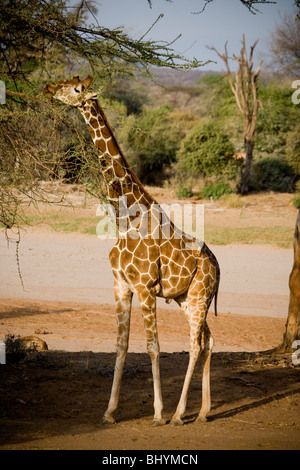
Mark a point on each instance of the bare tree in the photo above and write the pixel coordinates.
(245, 90)
(292, 329)
(285, 46)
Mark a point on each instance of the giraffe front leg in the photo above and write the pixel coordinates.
(149, 316)
(124, 301)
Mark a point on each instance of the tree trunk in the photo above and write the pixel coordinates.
(249, 145)
(292, 328)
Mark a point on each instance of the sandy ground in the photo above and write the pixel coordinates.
(68, 291)
(55, 400)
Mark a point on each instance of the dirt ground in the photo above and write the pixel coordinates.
(55, 399)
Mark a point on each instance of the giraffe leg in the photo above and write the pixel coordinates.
(195, 331)
(124, 301)
(205, 359)
(149, 315)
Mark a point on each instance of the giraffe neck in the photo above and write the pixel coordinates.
(119, 178)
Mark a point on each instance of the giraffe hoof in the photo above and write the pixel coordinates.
(108, 420)
(158, 422)
(177, 422)
(201, 419)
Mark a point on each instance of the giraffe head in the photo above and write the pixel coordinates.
(72, 92)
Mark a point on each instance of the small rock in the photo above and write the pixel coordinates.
(22, 402)
(33, 342)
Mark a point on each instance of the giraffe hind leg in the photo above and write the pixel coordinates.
(196, 318)
(195, 304)
(205, 360)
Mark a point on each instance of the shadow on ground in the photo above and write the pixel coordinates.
(57, 393)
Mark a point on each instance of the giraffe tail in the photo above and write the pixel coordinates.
(216, 302)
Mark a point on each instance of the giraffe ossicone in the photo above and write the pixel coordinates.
(175, 267)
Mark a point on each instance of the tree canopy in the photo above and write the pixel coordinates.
(43, 40)
(32, 30)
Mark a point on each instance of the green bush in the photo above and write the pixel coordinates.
(207, 151)
(293, 149)
(271, 173)
(296, 202)
(275, 120)
(124, 92)
(151, 140)
(216, 191)
(183, 192)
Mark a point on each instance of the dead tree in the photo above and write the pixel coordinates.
(245, 90)
(292, 328)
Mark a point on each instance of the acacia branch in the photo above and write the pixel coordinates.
(42, 24)
(247, 3)
(49, 106)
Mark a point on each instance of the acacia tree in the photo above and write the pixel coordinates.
(245, 90)
(42, 40)
(35, 29)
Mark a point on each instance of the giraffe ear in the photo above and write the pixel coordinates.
(49, 90)
(87, 81)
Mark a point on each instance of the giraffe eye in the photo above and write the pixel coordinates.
(77, 91)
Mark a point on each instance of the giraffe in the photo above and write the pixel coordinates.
(152, 258)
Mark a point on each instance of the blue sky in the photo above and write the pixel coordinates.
(222, 20)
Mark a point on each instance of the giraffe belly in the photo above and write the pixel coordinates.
(177, 269)
(173, 287)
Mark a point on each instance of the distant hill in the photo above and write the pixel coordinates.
(169, 77)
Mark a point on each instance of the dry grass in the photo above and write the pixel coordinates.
(280, 237)
(267, 218)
